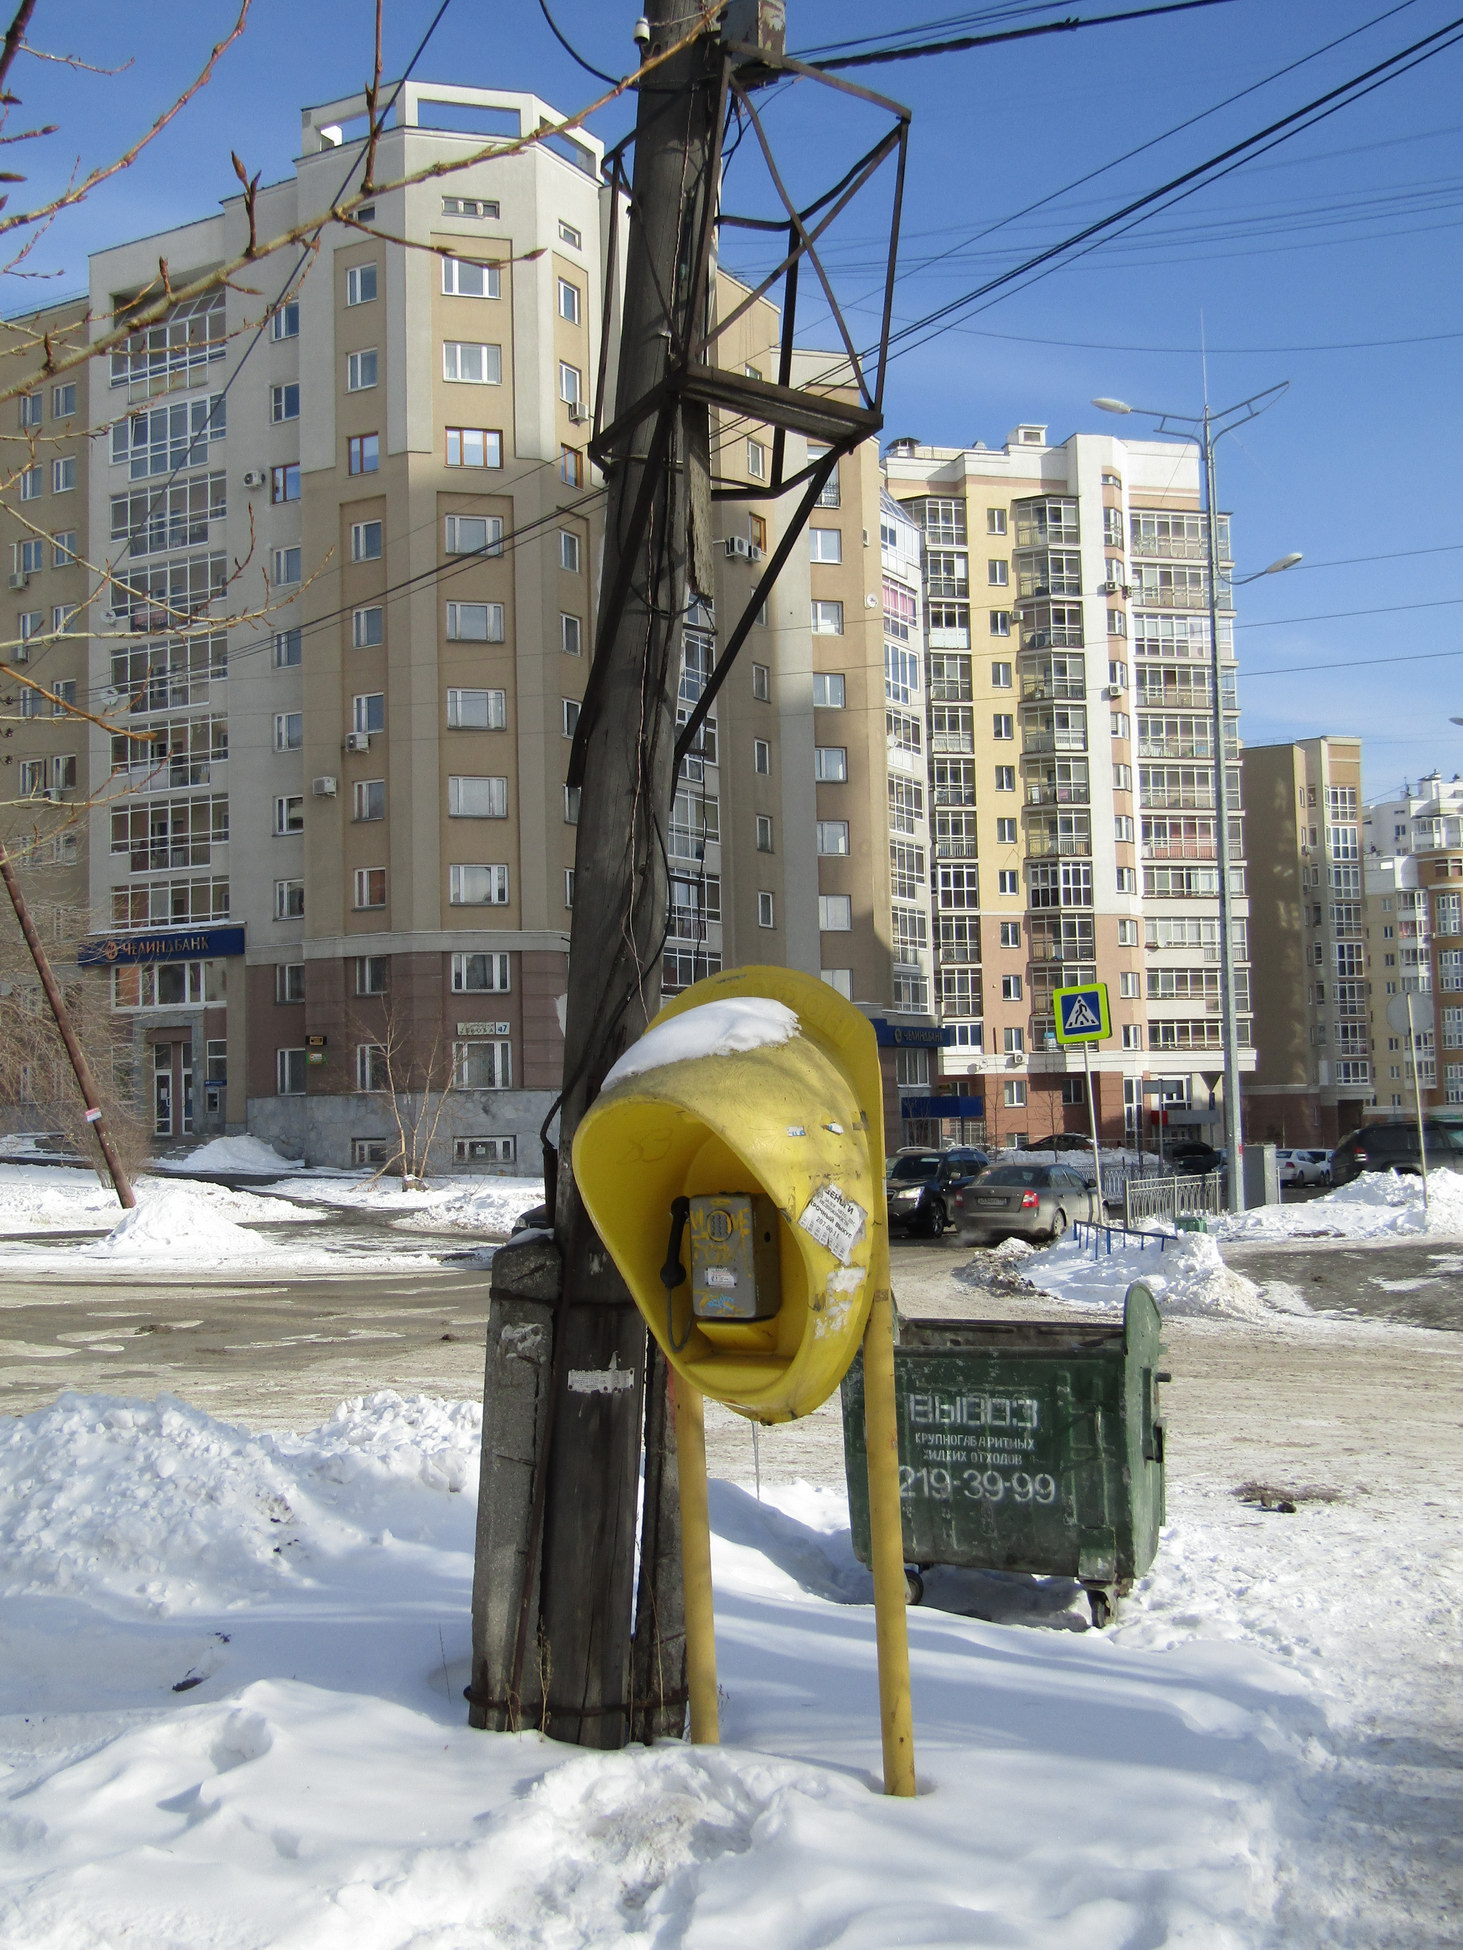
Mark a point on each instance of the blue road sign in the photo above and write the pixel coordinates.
(1082, 1014)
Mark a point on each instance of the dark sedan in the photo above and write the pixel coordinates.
(1023, 1202)
(920, 1186)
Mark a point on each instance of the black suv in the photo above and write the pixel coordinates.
(1394, 1147)
(1194, 1159)
(918, 1183)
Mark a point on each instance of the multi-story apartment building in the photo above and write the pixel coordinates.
(1313, 965)
(345, 543)
(1072, 774)
(1414, 898)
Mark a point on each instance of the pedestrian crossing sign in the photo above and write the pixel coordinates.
(1082, 1014)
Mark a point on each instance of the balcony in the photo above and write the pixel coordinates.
(1041, 686)
(1179, 799)
(1041, 793)
(1053, 636)
(1041, 740)
(1180, 850)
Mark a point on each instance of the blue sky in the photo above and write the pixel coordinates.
(1345, 236)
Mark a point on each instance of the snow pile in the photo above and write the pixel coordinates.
(289, 1770)
(740, 1022)
(493, 1208)
(1377, 1205)
(155, 1505)
(178, 1224)
(229, 1154)
(35, 1199)
(1187, 1277)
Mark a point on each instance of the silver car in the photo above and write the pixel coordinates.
(1023, 1202)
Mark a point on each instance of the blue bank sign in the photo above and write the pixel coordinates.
(196, 944)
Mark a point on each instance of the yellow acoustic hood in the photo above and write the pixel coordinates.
(800, 1121)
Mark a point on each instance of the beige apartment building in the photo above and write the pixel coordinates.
(323, 833)
(1414, 897)
(1316, 1041)
(1072, 775)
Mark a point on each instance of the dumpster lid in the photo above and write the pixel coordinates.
(1050, 1337)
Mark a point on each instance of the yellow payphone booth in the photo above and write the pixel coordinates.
(733, 1167)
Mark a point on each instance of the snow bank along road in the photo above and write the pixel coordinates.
(1263, 1752)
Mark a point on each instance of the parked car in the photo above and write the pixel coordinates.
(1394, 1146)
(920, 1182)
(1023, 1202)
(1303, 1167)
(1192, 1159)
(1067, 1141)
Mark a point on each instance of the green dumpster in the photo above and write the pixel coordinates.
(1032, 1446)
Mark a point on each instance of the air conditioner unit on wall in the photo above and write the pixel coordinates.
(20, 580)
(579, 414)
(358, 741)
(739, 549)
(255, 477)
(324, 788)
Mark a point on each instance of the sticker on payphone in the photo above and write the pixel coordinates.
(834, 1221)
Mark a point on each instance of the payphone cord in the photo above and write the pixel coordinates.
(673, 1274)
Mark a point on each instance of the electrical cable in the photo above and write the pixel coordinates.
(611, 80)
(966, 42)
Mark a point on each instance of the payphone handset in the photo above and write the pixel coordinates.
(735, 1273)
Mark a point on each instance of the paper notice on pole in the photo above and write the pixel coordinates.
(834, 1221)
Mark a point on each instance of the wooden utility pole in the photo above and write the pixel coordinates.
(121, 1184)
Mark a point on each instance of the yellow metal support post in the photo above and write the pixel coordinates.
(886, 1539)
(696, 1563)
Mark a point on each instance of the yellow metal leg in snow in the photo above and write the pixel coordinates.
(696, 1563)
(886, 1537)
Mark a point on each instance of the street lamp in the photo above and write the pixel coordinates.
(1205, 429)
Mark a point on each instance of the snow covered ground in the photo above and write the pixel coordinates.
(1378, 1205)
(1186, 1275)
(46, 1198)
(230, 1716)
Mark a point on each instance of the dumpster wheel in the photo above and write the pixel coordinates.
(914, 1585)
(1102, 1602)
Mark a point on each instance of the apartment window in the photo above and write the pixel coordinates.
(63, 548)
(287, 649)
(477, 710)
(1005, 778)
(368, 799)
(840, 980)
(368, 711)
(995, 521)
(766, 911)
(469, 363)
(571, 383)
(1013, 1094)
(63, 474)
(475, 622)
(1127, 934)
(289, 900)
(569, 551)
(1132, 1035)
(998, 574)
(475, 798)
(1003, 726)
(1117, 625)
(284, 401)
(764, 832)
(832, 837)
(474, 447)
(1011, 992)
(32, 409)
(1120, 725)
(480, 974)
(463, 277)
(571, 634)
(289, 816)
(284, 482)
(569, 235)
(835, 913)
(825, 545)
(570, 301)
(1000, 677)
(289, 981)
(360, 284)
(568, 886)
(761, 683)
(290, 1071)
(360, 371)
(30, 556)
(571, 466)
(1000, 622)
(1008, 881)
(468, 206)
(1127, 880)
(366, 541)
(289, 731)
(1010, 934)
(482, 1064)
(1006, 831)
(363, 453)
(368, 627)
(572, 797)
(830, 764)
(473, 534)
(1013, 1041)
(32, 484)
(369, 887)
(477, 886)
(756, 460)
(761, 755)
(372, 1070)
(285, 324)
(829, 689)
(1122, 827)
(30, 622)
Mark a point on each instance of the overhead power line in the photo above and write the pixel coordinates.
(968, 41)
